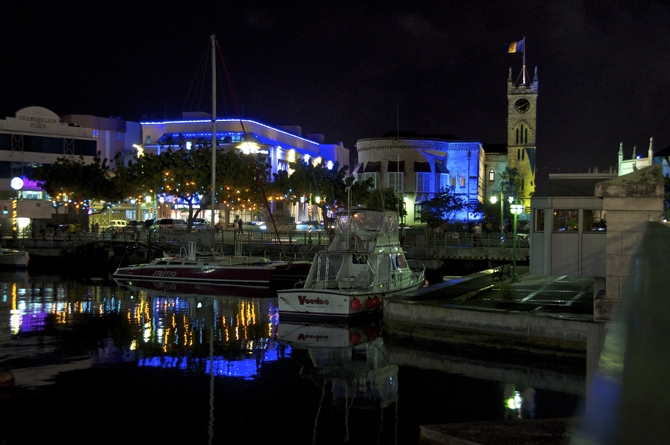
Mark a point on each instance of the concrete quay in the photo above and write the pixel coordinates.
(546, 318)
(542, 314)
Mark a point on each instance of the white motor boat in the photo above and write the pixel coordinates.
(363, 267)
(13, 258)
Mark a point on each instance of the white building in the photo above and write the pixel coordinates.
(281, 145)
(418, 166)
(36, 136)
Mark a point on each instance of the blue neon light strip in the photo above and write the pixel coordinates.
(202, 121)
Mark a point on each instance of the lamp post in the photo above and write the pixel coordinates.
(493, 200)
(16, 184)
(516, 210)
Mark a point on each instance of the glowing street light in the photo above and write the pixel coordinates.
(493, 200)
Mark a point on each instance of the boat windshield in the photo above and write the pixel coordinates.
(367, 220)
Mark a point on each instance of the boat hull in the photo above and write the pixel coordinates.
(172, 288)
(10, 258)
(334, 305)
(236, 275)
(272, 275)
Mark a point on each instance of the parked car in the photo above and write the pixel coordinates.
(168, 223)
(305, 226)
(115, 225)
(255, 226)
(200, 224)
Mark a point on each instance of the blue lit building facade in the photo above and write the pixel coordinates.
(281, 146)
(418, 166)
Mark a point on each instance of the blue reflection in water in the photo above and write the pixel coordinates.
(100, 345)
(245, 368)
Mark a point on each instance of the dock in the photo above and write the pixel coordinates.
(547, 317)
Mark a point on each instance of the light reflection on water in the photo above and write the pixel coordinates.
(237, 366)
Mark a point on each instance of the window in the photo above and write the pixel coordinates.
(147, 140)
(462, 181)
(96, 134)
(423, 182)
(417, 212)
(521, 135)
(453, 181)
(395, 181)
(362, 177)
(539, 220)
(595, 221)
(565, 220)
(492, 175)
(443, 180)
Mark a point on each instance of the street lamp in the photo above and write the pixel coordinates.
(516, 209)
(493, 200)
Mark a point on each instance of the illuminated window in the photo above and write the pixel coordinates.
(565, 221)
(492, 175)
(147, 140)
(453, 181)
(595, 221)
(462, 181)
(96, 134)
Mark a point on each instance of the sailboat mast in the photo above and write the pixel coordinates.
(213, 201)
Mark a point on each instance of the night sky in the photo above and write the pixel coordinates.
(355, 69)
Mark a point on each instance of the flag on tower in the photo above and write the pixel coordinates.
(517, 47)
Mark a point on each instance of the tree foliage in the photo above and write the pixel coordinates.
(71, 181)
(511, 182)
(308, 180)
(441, 208)
(187, 175)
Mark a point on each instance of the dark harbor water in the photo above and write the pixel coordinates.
(94, 362)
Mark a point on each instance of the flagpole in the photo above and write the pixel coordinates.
(524, 60)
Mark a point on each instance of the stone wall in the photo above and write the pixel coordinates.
(631, 201)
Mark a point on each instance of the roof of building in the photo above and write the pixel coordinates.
(570, 185)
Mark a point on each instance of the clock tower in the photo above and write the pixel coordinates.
(521, 133)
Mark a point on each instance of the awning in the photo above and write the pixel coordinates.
(357, 168)
(371, 167)
(395, 167)
(441, 168)
(421, 167)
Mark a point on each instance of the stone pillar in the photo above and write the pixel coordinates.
(630, 202)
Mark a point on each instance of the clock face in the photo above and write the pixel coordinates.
(522, 105)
